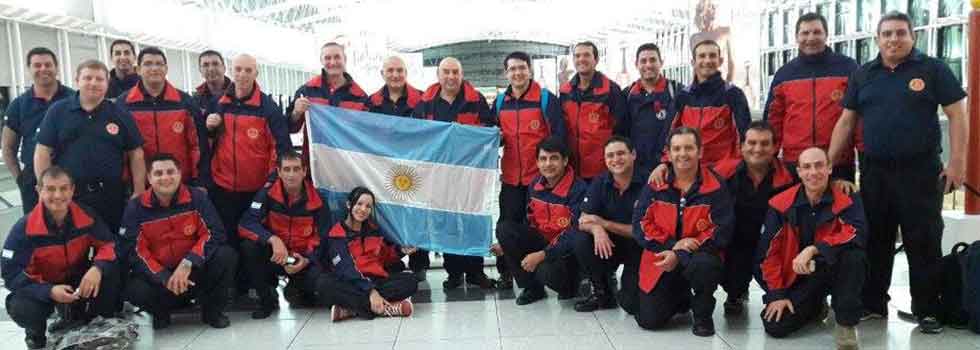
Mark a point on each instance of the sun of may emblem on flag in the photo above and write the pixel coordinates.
(403, 182)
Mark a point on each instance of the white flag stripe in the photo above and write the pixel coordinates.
(423, 184)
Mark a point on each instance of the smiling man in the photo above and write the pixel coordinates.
(813, 246)
(23, 117)
(177, 250)
(804, 98)
(716, 108)
(123, 75)
(647, 117)
(897, 96)
(683, 226)
(167, 118)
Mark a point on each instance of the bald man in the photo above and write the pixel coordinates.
(396, 97)
(332, 87)
(453, 99)
(813, 245)
(247, 130)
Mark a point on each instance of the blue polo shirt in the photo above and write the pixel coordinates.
(608, 202)
(900, 106)
(90, 145)
(24, 115)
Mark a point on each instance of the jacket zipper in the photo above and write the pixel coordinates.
(813, 129)
(520, 160)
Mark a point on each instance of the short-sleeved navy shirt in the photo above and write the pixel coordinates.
(605, 200)
(900, 106)
(89, 145)
(24, 115)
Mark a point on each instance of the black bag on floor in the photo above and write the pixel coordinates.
(971, 285)
(953, 269)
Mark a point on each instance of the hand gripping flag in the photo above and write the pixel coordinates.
(434, 181)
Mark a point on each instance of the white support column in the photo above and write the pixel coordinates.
(20, 78)
(12, 55)
(66, 69)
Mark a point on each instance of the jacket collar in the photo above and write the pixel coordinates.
(277, 192)
(149, 200)
(704, 183)
(468, 92)
(914, 56)
(658, 87)
(204, 91)
(319, 82)
(533, 93)
(139, 93)
(562, 188)
(411, 96)
(39, 220)
(254, 100)
(599, 84)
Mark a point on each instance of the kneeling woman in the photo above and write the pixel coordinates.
(362, 282)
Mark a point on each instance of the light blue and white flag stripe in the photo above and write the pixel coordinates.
(433, 180)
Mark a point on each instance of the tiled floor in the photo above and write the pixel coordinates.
(473, 320)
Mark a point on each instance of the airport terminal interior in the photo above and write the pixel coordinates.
(285, 36)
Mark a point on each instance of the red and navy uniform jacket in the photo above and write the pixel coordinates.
(663, 216)
(838, 223)
(170, 124)
(804, 101)
(299, 222)
(553, 212)
(118, 87)
(357, 257)
(751, 199)
(204, 99)
(647, 120)
(24, 115)
(379, 102)
(37, 255)
(318, 91)
(524, 125)
(469, 107)
(158, 237)
(253, 133)
(719, 111)
(591, 116)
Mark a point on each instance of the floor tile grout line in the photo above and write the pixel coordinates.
(195, 338)
(604, 332)
(301, 328)
(398, 332)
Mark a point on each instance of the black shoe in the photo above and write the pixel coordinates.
(291, 292)
(215, 319)
(452, 283)
(930, 325)
(704, 328)
(161, 321)
(481, 280)
(872, 315)
(735, 306)
(599, 299)
(505, 282)
(36, 341)
(261, 313)
(419, 275)
(530, 295)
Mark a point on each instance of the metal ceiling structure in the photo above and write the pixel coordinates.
(540, 20)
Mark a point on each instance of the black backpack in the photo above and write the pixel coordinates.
(971, 285)
(952, 304)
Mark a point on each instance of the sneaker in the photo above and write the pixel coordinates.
(871, 315)
(452, 283)
(339, 313)
(846, 338)
(215, 319)
(930, 325)
(34, 341)
(530, 295)
(403, 308)
(481, 280)
(735, 306)
(704, 327)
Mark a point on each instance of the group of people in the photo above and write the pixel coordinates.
(675, 183)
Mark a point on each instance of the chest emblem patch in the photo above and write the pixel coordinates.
(112, 129)
(917, 85)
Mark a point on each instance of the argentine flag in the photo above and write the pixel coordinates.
(433, 181)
